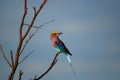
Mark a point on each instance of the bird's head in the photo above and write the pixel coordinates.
(55, 34)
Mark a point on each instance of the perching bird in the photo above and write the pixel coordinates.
(60, 46)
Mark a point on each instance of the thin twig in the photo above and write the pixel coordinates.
(26, 57)
(12, 59)
(20, 74)
(34, 8)
(43, 24)
(29, 25)
(40, 25)
(50, 67)
(5, 57)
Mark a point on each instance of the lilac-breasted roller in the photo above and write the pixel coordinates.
(60, 46)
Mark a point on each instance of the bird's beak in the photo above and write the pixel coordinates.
(60, 33)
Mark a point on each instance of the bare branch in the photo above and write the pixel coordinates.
(5, 57)
(41, 6)
(20, 74)
(23, 36)
(12, 59)
(34, 18)
(50, 67)
(26, 57)
(23, 18)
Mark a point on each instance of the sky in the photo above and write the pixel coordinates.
(90, 29)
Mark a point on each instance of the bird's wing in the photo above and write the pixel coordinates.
(62, 47)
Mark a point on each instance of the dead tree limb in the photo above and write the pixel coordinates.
(50, 67)
(23, 43)
(23, 36)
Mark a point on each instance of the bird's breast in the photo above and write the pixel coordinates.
(53, 40)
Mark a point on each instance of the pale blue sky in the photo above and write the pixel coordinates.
(90, 29)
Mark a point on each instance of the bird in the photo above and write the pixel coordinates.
(60, 46)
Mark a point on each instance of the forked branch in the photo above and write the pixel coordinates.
(22, 44)
(34, 18)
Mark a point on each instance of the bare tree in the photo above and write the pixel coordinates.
(24, 39)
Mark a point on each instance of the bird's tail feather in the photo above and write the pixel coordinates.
(68, 57)
(72, 69)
